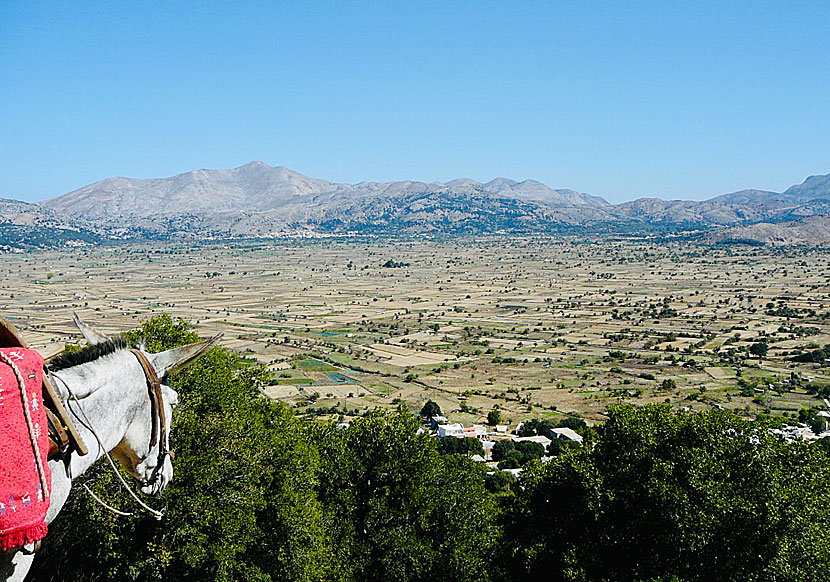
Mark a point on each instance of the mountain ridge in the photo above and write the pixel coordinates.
(258, 187)
(257, 200)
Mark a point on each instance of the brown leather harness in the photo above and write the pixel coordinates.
(158, 434)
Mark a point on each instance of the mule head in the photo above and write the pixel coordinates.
(148, 461)
(155, 467)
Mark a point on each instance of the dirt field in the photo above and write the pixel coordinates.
(536, 327)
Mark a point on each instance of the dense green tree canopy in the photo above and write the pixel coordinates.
(460, 446)
(662, 495)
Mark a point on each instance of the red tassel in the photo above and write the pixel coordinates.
(23, 536)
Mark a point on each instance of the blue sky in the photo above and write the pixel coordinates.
(621, 100)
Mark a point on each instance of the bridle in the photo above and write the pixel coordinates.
(158, 434)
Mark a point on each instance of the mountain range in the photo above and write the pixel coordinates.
(257, 200)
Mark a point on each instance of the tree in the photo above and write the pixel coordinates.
(499, 482)
(501, 448)
(494, 417)
(535, 427)
(665, 495)
(559, 446)
(399, 509)
(529, 451)
(460, 446)
(668, 384)
(759, 349)
(430, 409)
(510, 460)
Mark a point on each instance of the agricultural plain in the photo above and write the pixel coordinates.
(533, 327)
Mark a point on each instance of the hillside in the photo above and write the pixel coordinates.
(257, 200)
(257, 187)
(24, 225)
(806, 231)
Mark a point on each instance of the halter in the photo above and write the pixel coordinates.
(158, 433)
(159, 421)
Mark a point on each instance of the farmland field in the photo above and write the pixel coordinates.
(533, 326)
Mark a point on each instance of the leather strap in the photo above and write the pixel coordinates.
(58, 439)
(159, 430)
(53, 401)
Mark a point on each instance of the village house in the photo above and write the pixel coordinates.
(566, 434)
(454, 429)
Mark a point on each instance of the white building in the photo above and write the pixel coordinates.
(476, 431)
(450, 430)
(566, 434)
(542, 440)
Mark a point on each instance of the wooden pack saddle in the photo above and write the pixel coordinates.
(63, 435)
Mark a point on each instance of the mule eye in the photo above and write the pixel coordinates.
(172, 396)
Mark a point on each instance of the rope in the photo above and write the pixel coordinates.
(27, 415)
(104, 505)
(157, 514)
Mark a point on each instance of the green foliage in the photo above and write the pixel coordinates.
(560, 446)
(392, 264)
(817, 356)
(529, 450)
(500, 482)
(759, 349)
(500, 449)
(162, 333)
(403, 511)
(494, 417)
(460, 446)
(430, 409)
(663, 495)
(535, 427)
(513, 455)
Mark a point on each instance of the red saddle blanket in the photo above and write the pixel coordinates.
(23, 501)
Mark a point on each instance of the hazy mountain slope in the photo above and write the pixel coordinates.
(258, 200)
(24, 225)
(813, 188)
(254, 186)
(259, 187)
(743, 197)
(810, 231)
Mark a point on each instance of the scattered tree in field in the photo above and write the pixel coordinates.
(759, 349)
(430, 409)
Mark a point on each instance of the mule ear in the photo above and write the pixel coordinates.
(174, 360)
(92, 335)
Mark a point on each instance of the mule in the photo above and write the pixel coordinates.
(105, 389)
